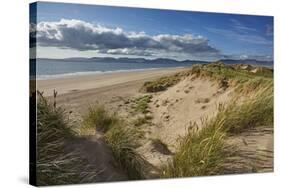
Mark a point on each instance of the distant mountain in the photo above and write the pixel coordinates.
(159, 60)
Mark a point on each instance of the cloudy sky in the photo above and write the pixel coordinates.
(73, 30)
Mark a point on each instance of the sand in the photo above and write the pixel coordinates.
(78, 92)
(173, 110)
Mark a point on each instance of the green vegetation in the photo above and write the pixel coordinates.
(142, 103)
(200, 152)
(122, 139)
(54, 165)
(140, 121)
(123, 142)
(203, 152)
(255, 111)
(161, 84)
(98, 118)
(233, 74)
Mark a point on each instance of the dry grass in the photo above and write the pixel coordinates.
(54, 165)
(120, 136)
(203, 152)
(142, 103)
(122, 139)
(200, 152)
(161, 84)
(99, 118)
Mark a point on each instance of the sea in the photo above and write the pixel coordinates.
(50, 69)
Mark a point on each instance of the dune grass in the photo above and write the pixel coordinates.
(142, 103)
(199, 152)
(203, 152)
(140, 121)
(221, 72)
(123, 140)
(120, 136)
(257, 110)
(54, 165)
(161, 84)
(99, 118)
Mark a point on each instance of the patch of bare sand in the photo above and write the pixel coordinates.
(191, 100)
(98, 154)
(253, 151)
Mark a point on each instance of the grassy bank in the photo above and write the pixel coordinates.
(120, 136)
(203, 152)
(54, 164)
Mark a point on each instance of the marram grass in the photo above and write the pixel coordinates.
(54, 165)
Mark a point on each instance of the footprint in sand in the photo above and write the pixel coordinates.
(202, 100)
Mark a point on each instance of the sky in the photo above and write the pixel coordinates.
(77, 30)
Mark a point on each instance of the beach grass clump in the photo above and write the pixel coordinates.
(161, 84)
(120, 136)
(252, 112)
(123, 140)
(54, 165)
(200, 153)
(230, 73)
(99, 118)
(203, 152)
(140, 121)
(142, 103)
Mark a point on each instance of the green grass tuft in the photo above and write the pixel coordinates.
(122, 138)
(142, 103)
(98, 118)
(257, 110)
(202, 152)
(123, 142)
(161, 84)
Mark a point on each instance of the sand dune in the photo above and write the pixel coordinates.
(172, 110)
(191, 99)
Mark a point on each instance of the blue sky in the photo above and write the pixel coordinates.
(68, 30)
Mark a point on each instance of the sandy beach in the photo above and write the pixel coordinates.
(78, 92)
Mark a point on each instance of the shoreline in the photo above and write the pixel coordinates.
(78, 92)
(93, 81)
(92, 73)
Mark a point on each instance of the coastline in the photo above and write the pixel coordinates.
(90, 81)
(78, 92)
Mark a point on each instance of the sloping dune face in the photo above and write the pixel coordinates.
(190, 101)
(233, 103)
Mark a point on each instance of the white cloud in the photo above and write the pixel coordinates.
(82, 36)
